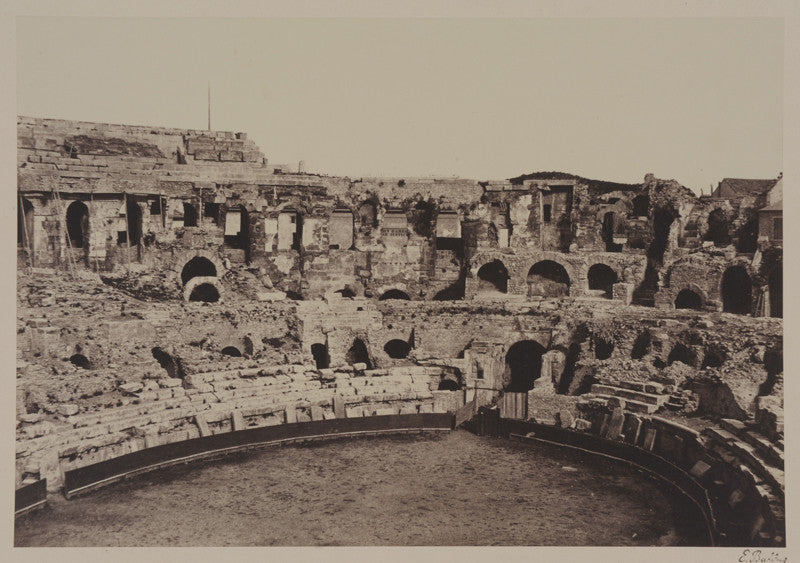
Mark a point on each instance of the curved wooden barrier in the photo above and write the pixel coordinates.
(88, 478)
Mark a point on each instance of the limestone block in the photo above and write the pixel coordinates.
(359, 366)
(582, 424)
(237, 420)
(133, 387)
(302, 416)
(354, 412)
(317, 413)
(291, 415)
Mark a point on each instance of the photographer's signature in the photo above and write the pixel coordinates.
(758, 556)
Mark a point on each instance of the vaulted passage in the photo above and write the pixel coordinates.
(358, 353)
(681, 353)
(602, 277)
(394, 294)
(523, 366)
(204, 292)
(321, 357)
(736, 291)
(198, 266)
(610, 228)
(167, 362)
(189, 215)
(397, 348)
(548, 279)
(78, 224)
(641, 205)
(688, 299)
(718, 228)
(493, 277)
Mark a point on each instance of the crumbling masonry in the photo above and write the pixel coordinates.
(173, 283)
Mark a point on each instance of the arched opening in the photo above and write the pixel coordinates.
(320, 353)
(78, 224)
(81, 361)
(249, 346)
(548, 279)
(232, 351)
(394, 294)
(448, 385)
(775, 284)
(167, 362)
(189, 215)
(397, 349)
(736, 291)
(205, 292)
(681, 353)
(688, 299)
(25, 224)
(493, 277)
(602, 277)
(358, 354)
(523, 366)
(603, 349)
(198, 266)
(641, 346)
(609, 228)
(641, 205)
(367, 215)
(718, 228)
(133, 215)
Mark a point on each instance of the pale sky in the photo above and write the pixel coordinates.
(696, 100)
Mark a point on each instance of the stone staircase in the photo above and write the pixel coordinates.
(633, 396)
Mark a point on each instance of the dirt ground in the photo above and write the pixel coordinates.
(457, 489)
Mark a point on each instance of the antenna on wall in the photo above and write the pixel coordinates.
(209, 106)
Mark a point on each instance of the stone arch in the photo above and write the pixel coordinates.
(25, 236)
(394, 294)
(688, 299)
(358, 354)
(736, 290)
(203, 288)
(319, 351)
(451, 380)
(602, 277)
(78, 224)
(493, 276)
(397, 349)
(198, 266)
(232, 351)
(548, 278)
(523, 366)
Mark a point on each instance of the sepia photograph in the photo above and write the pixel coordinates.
(342, 281)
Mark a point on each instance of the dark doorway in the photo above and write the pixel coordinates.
(231, 351)
(493, 277)
(523, 366)
(548, 279)
(346, 292)
(321, 357)
(736, 291)
(641, 205)
(189, 215)
(688, 299)
(449, 385)
(609, 228)
(394, 294)
(205, 292)
(681, 353)
(775, 283)
(358, 354)
(397, 348)
(198, 266)
(718, 228)
(78, 224)
(603, 349)
(747, 237)
(81, 361)
(641, 346)
(602, 277)
(133, 214)
(238, 238)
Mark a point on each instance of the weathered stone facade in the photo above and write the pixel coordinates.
(174, 283)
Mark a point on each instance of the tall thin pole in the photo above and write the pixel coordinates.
(209, 106)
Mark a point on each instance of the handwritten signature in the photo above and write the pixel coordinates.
(758, 556)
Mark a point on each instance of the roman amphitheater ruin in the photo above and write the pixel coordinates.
(176, 288)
